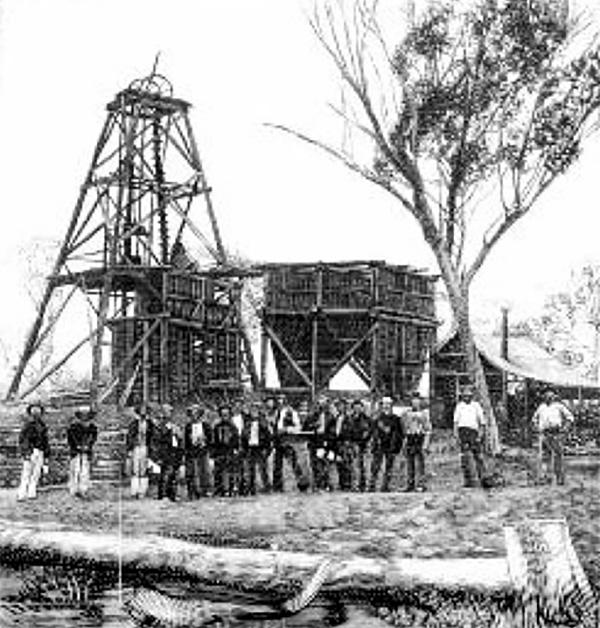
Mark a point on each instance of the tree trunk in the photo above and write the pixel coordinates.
(460, 310)
(458, 294)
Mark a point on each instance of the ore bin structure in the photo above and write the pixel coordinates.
(377, 318)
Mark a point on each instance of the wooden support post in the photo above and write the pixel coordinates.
(374, 371)
(164, 361)
(146, 365)
(314, 355)
(98, 337)
(264, 347)
(314, 349)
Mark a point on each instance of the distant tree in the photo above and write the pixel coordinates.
(569, 324)
(36, 258)
(466, 122)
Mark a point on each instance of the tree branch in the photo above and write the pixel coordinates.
(352, 165)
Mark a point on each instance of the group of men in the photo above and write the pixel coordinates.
(328, 445)
(248, 443)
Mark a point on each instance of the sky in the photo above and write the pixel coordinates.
(241, 64)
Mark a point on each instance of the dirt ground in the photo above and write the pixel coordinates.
(446, 521)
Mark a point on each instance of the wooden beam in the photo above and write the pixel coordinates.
(209, 206)
(52, 323)
(31, 340)
(373, 370)
(194, 229)
(264, 347)
(56, 366)
(349, 353)
(275, 338)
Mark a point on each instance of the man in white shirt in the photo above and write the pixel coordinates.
(288, 424)
(550, 421)
(469, 425)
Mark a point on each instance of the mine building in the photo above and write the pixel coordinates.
(377, 318)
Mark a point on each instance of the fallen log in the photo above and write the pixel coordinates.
(540, 567)
(245, 568)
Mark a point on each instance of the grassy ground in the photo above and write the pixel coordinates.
(446, 521)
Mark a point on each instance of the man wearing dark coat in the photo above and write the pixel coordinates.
(197, 439)
(338, 444)
(256, 440)
(81, 437)
(170, 454)
(358, 430)
(34, 448)
(316, 424)
(225, 448)
(386, 445)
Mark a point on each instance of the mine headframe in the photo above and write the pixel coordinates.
(175, 323)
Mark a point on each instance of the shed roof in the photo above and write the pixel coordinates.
(526, 359)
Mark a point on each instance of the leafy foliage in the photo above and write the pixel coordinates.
(493, 93)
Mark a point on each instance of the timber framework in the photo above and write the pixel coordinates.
(377, 318)
(177, 332)
(176, 326)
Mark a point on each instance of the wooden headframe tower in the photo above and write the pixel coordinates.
(176, 327)
(377, 318)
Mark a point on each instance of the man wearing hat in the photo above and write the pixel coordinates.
(417, 430)
(550, 421)
(387, 444)
(35, 450)
(197, 439)
(469, 425)
(81, 437)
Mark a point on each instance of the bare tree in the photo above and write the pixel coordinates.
(466, 121)
(37, 257)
